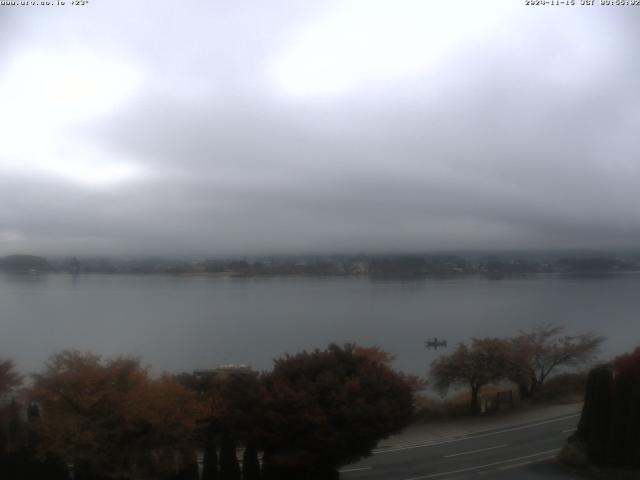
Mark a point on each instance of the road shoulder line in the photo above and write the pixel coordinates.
(470, 452)
(472, 436)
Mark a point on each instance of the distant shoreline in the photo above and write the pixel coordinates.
(410, 267)
(306, 275)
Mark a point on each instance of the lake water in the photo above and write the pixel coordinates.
(184, 323)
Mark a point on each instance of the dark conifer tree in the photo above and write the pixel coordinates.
(210, 459)
(634, 426)
(4, 444)
(250, 463)
(33, 417)
(618, 448)
(17, 430)
(4, 457)
(268, 472)
(626, 411)
(50, 469)
(229, 467)
(593, 428)
(188, 469)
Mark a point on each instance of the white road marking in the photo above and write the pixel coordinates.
(475, 451)
(569, 430)
(411, 446)
(469, 469)
(524, 464)
(347, 470)
(515, 465)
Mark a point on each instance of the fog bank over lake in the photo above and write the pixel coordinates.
(179, 323)
(289, 127)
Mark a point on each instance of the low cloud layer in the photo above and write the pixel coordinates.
(159, 128)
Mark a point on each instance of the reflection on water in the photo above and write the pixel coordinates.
(182, 323)
(23, 278)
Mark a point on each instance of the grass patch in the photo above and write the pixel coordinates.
(563, 388)
(429, 408)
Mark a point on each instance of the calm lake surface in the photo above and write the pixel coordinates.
(183, 323)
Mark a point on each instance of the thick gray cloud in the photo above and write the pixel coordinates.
(340, 126)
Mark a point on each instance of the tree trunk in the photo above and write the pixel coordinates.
(188, 466)
(475, 407)
(210, 459)
(229, 467)
(533, 389)
(523, 391)
(528, 390)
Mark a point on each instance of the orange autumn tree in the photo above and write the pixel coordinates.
(110, 418)
(9, 378)
(9, 381)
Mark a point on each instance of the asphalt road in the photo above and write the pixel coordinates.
(523, 452)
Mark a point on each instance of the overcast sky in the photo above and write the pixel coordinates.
(215, 128)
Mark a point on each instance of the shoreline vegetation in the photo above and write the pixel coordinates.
(312, 413)
(88, 417)
(562, 389)
(218, 412)
(415, 267)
